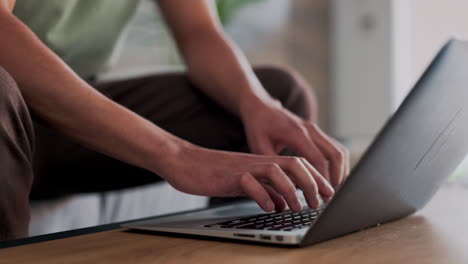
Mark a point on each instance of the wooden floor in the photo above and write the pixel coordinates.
(438, 234)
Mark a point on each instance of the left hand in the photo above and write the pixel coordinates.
(270, 128)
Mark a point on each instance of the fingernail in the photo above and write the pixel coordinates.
(329, 185)
(298, 206)
(270, 206)
(317, 201)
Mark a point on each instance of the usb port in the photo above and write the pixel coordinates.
(279, 238)
(265, 237)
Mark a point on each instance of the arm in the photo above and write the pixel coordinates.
(7, 4)
(67, 103)
(221, 71)
(215, 63)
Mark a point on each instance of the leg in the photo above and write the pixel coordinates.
(169, 100)
(173, 103)
(16, 151)
(291, 89)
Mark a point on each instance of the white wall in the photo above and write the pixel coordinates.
(432, 23)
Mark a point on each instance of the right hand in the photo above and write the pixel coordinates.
(270, 180)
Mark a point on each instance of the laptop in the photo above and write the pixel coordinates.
(418, 148)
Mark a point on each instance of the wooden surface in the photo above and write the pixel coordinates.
(438, 234)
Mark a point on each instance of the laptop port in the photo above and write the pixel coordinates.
(244, 235)
(265, 237)
(279, 238)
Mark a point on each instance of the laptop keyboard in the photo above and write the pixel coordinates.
(280, 221)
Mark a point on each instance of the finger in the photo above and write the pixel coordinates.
(325, 189)
(256, 191)
(303, 178)
(280, 203)
(303, 145)
(332, 152)
(347, 158)
(346, 162)
(278, 179)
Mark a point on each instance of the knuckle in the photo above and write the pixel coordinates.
(288, 190)
(291, 189)
(313, 190)
(295, 161)
(244, 178)
(322, 165)
(310, 183)
(340, 148)
(273, 168)
(337, 155)
(319, 160)
(298, 129)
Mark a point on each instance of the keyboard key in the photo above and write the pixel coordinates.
(286, 220)
(247, 226)
(278, 227)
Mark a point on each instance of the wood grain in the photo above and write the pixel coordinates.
(438, 234)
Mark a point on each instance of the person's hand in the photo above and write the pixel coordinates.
(270, 128)
(270, 180)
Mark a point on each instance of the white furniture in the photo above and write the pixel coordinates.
(85, 210)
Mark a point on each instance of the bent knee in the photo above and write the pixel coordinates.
(290, 88)
(15, 119)
(8, 88)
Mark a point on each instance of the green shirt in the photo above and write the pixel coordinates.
(83, 33)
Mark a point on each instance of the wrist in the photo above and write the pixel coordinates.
(254, 103)
(163, 154)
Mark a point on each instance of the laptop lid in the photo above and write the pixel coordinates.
(418, 148)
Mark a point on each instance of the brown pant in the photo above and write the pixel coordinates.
(61, 166)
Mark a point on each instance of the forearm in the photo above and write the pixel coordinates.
(67, 103)
(221, 71)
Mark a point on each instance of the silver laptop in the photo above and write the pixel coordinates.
(418, 148)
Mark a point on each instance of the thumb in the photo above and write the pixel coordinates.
(264, 146)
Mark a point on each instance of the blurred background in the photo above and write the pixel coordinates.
(361, 57)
